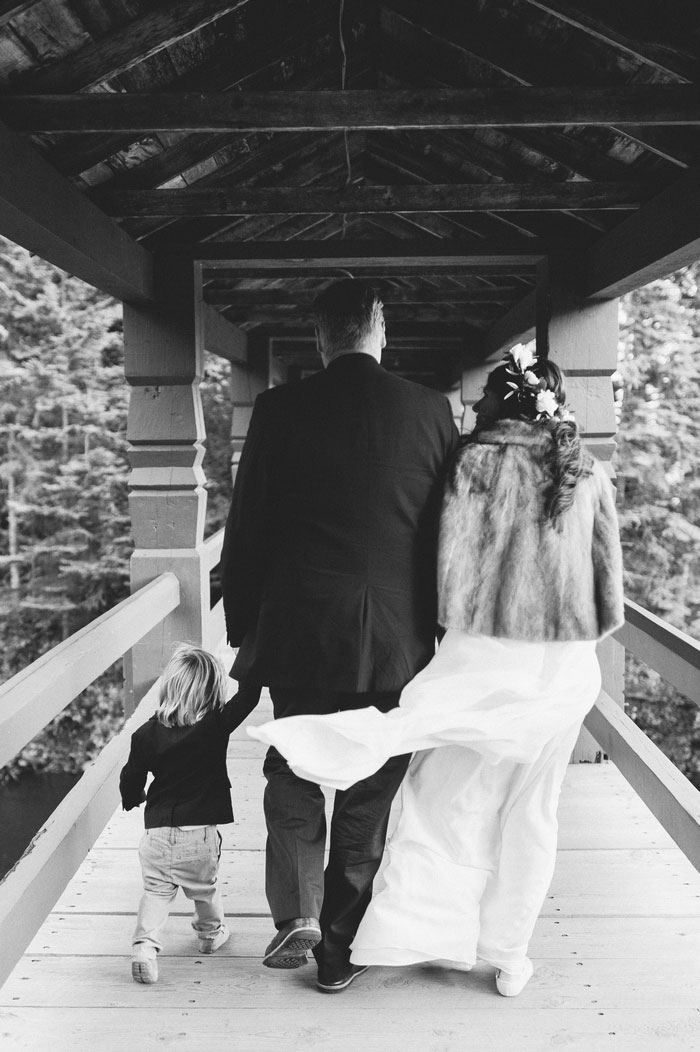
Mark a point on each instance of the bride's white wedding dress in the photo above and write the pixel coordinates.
(473, 853)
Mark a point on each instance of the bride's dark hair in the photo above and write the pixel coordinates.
(566, 458)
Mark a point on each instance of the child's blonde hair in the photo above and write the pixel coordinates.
(194, 683)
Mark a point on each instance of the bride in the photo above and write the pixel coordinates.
(529, 577)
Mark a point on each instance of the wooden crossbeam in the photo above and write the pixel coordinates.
(281, 298)
(354, 110)
(103, 59)
(381, 257)
(661, 237)
(42, 211)
(287, 200)
(656, 52)
(435, 314)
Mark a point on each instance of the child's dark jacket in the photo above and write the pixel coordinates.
(190, 784)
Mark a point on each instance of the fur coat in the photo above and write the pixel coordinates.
(503, 570)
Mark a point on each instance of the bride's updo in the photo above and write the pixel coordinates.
(524, 388)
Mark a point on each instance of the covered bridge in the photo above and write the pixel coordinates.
(505, 169)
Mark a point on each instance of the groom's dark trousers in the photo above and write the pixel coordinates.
(329, 587)
(296, 823)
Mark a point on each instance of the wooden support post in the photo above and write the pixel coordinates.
(167, 497)
(581, 337)
(247, 382)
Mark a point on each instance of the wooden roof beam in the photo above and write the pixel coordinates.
(377, 110)
(312, 200)
(389, 256)
(44, 213)
(661, 237)
(221, 337)
(406, 312)
(10, 9)
(102, 60)
(500, 60)
(272, 298)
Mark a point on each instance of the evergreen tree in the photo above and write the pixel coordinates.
(658, 462)
(64, 522)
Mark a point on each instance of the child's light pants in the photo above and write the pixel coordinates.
(173, 858)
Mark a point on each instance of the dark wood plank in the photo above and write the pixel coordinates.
(356, 109)
(40, 210)
(661, 237)
(661, 53)
(146, 36)
(287, 200)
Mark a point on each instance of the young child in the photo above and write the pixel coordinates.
(184, 746)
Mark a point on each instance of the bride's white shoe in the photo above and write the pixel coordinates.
(510, 984)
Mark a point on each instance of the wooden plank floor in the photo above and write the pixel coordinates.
(616, 951)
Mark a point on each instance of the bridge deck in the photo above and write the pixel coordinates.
(616, 950)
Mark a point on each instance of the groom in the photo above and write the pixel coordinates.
(328, 574)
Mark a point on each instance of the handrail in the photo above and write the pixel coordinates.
(211, 550)
(34, 696)
(29, 700)
(664, 789)
(30, 890)
(670, 652)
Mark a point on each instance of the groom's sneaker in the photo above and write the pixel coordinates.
(289, 946)
(333, 980)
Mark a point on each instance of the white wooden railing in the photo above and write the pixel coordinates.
(29, 701)
(667, 793)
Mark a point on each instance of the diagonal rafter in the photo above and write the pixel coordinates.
(10, 9)
(256, 63)
(671, 58)
(491, 57)
(102, 60)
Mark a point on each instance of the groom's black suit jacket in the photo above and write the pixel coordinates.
(329, 558)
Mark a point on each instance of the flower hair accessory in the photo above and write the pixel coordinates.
(531, 390)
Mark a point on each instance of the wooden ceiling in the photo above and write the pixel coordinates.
(504, 129)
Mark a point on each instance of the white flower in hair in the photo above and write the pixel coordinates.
(522, 357)
(531, 379)
(546, 403)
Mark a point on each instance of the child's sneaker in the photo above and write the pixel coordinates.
(144, 966)
(210, 945)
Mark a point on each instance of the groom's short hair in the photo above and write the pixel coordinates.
(345, 313)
